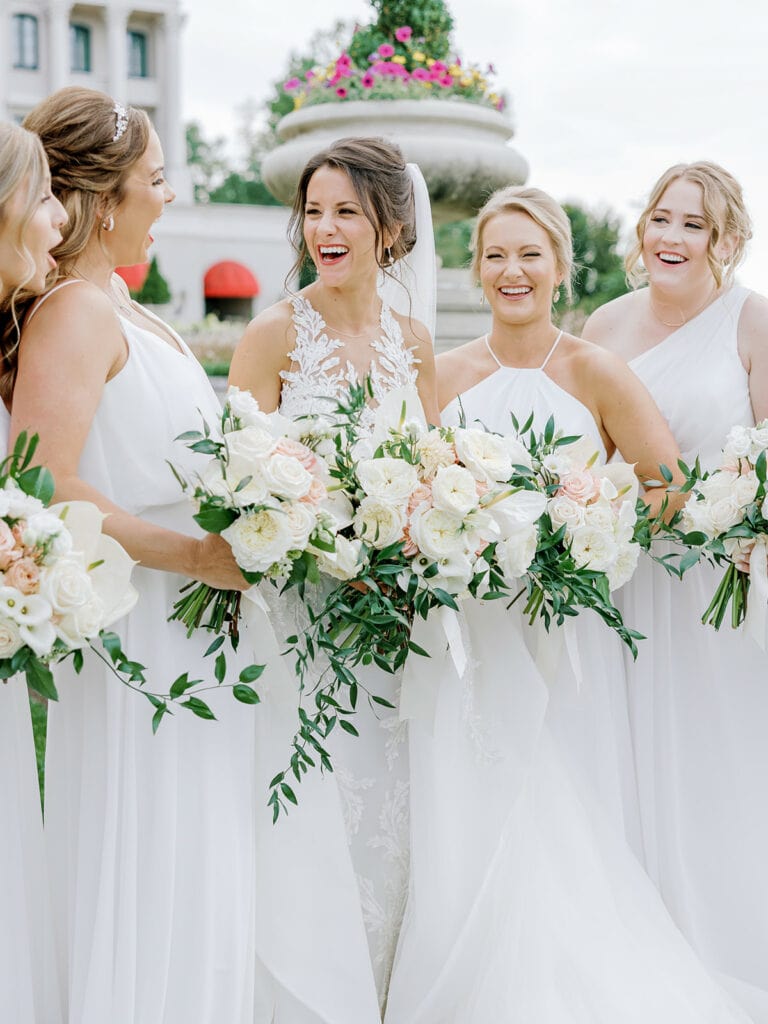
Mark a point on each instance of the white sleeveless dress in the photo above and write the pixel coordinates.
(527, 906)
(699, 698)
(150, 839)
(29, 990)
(340, 860)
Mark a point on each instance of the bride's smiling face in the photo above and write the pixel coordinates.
(518, 267)
(340, 239)
(676, 238)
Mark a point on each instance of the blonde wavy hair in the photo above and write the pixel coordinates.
(724, 212)
(541, 208)
(22, 167)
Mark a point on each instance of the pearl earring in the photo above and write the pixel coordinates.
(108, 223)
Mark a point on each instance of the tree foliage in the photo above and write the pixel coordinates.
(155, 290)
(599, 273)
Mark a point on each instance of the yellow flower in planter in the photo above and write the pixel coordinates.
(430, 61)
(455, 70)
(466, 82)
(419, 56)
(398, 59)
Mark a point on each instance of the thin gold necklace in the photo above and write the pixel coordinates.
(110, 292)
(710, 298)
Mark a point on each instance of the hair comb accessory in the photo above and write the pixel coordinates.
(122, 121)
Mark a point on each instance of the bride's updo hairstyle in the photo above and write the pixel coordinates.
(384, 190)
(542, 209)
(724, 210)
(22, 166)
(91, 144)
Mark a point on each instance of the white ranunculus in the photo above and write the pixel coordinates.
(344, 562)
(259, 539)
(434, 451)
(454, 490)
(66, 585)
(379, 522)
(745, 489)
(47, 528)
(15, 504)
(286, 477)
(10, 638)
(388, 478)
(564, 511)
(725, 512)
(39, 636)
(624, 566)
(485, 455)
(437, 533)
(593, 548)
(517, 551)
(522, 508)
(244, 406)
(738, 442)
(301, 522)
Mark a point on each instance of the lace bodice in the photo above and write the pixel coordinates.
(321, 377)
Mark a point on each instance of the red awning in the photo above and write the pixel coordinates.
(230, 280)
(135, 276)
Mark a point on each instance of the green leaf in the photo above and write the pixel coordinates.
(205, 447)
(214, 519)
(199, 708)
(220, 667)
(666, 473)
(288, 793)
(38, 483)
(181, 685)
(189, 435)
(40, 679)
(245, 694)
(251, 673)
(348, 727)
(158, 716)
(215, 645)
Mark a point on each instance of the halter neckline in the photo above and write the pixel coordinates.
(502, 366)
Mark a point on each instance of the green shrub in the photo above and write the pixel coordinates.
(155, 290)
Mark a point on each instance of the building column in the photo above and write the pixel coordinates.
(117, 53)
(57, 45)
(171, 128)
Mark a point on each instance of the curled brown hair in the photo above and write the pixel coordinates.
(724, 211)
(88, 165)
(383, 186)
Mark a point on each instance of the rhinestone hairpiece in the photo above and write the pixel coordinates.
(122, 121)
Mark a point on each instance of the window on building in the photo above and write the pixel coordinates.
(79, 48)
(25, 41)
(138, 65)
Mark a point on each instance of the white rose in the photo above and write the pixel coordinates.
(286, 477)
(212, 479)
(259, 539)
(564, 511)
(363, 449)
(697, 518)
(745, 489)
(253, 444)
(515, 554)
(46, 528)
(759, 435)
(720, 484)
(738, 442)
(485, 455)
(624, 566)
(240, 469)
(600, 517)
(437, 533)
(593, 549)
(523, 508)
(244, 407)
(301, 522)
(379, 522)
(10, 638)
(82, 624)
(15, 504)
(725, 512)
(66, 585)
(344, 562)
(454, 490)
(388, 478)
(434, 451)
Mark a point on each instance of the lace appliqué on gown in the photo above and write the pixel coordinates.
(320, 379)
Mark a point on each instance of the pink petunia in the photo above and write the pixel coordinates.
(420, 75)
(291, 84)
(438, 67)
(341, 92)
(335, 78)
(368, 80)
(445, 81)
(403, 34)
(386, 50)
(309, 75)
(343, 61)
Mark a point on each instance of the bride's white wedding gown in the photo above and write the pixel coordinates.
(527, 906)
(699, 698)
(29, 991)
(332, 876)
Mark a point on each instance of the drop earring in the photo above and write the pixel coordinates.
(556, 295)
(108, 224)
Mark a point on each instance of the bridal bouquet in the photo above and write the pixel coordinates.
(726, 521)
(62, 581)
(587, 544)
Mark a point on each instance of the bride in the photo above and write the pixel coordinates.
(354, 219)
(527, 904)
(30, 222)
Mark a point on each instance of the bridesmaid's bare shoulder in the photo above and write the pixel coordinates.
(461, 368)
(609, 322)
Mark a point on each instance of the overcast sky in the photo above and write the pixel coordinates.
(605, 95)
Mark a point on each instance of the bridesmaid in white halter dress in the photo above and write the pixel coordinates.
(353, 215)
(699, 698)
(30, 226)
(150, 838)
(526, 902)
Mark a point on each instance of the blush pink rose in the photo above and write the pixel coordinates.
(24, 575)
(9, 551)
(316, 494)
(297, 450)
(481, 487)
(579, 486)
(419, 496)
